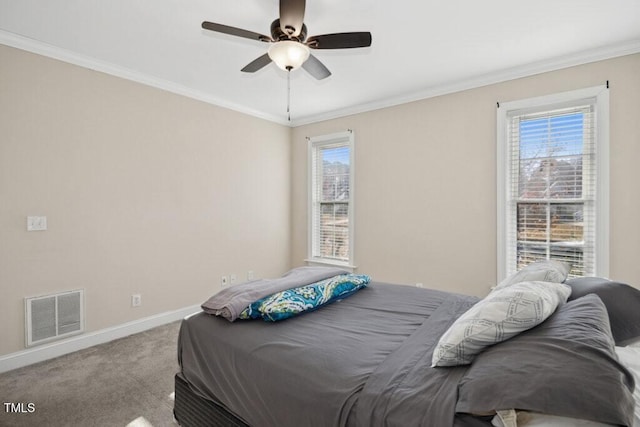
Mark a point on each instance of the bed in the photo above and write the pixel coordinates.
(366, 358)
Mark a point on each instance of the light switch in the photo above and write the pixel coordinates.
(36, 223)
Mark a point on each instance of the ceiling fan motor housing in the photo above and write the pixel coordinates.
(277, 33)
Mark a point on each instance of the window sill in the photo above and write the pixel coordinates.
(320, 261)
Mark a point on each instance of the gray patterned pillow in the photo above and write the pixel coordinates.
(503, 314)
(546, 271)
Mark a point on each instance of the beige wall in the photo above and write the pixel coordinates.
(153, 193)
(426, 180)
(144, 192)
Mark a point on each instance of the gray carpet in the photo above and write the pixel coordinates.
(112, 384)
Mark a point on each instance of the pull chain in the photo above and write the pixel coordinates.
(289, 93)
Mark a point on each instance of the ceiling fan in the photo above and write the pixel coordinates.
(290, 45)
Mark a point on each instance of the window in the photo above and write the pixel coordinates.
(553, 182)
(331, 199)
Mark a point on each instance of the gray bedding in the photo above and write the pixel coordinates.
(566, 366)
(363, 361)
(230, 302)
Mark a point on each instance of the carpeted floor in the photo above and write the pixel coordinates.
(126, 381)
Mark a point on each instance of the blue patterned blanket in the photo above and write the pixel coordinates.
(291, 302)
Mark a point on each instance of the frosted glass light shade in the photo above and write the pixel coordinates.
(288, 54)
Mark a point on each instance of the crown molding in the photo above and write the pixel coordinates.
(54, 52)
(579, 58)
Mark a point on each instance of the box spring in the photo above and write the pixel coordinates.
(191, 410)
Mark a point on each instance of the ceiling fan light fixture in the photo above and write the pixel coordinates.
(288, 54)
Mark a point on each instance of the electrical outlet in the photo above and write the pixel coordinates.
(36, 223)
(136, 300)
(223, 281)
(232, 279)
(250, 275)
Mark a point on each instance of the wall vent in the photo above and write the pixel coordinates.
(53, 317)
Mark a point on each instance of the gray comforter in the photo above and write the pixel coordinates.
(365, 361)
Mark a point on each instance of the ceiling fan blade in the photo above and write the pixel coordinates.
(225, 29)
(292, 16)
(257, 64)
(340, 40)
(316, 68)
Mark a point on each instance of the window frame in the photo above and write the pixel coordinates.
(599, 96)
(313, 144)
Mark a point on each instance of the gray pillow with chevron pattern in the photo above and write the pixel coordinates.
(501, 315)
(548, 270)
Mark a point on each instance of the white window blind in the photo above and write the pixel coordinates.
(553, 189)
(331, 195)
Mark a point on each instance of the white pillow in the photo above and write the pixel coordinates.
(534, 419)
(546, 271)
(630, 358)
(501, 315)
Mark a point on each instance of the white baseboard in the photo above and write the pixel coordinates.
(49, 351)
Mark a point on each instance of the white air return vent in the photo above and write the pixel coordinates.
(52, 317)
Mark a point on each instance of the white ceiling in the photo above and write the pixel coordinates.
(420, 48)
